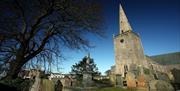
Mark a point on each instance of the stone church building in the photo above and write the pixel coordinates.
(132, 68)
(128, 47)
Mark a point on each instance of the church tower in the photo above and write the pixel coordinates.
(128, 47)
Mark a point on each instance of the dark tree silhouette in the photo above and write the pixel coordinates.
(108, 72)
(83, 67)
(40, 29)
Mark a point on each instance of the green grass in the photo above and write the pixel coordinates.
(114, 89)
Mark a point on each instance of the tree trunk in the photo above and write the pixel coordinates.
(15, 68)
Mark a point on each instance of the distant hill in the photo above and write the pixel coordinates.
(167, 59)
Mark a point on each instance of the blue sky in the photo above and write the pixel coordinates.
(157, 22)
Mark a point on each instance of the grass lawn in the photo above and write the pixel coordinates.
(114, 89)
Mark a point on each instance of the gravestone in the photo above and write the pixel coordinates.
(87, 80)
(87, 74)
(58, 86)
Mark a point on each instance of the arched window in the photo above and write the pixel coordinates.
(125, 68)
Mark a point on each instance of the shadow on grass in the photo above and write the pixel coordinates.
(7, 88)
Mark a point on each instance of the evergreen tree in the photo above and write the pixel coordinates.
(86, 65)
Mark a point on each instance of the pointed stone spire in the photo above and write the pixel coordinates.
(123, 21)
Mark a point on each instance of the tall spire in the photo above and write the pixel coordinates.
(123, 21)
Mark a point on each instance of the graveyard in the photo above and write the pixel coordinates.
(89, 45)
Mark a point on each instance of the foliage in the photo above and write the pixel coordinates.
(79, 68)
(43, 75)
(36, 31)
(165, 59)
(108, 72)
(18, 83)
(146, 71)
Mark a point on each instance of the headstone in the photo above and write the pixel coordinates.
(67, 81)
(87, 74)
(58, 86)
(36, 85)
(87, 79)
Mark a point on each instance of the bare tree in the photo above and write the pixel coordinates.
(40, 29)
